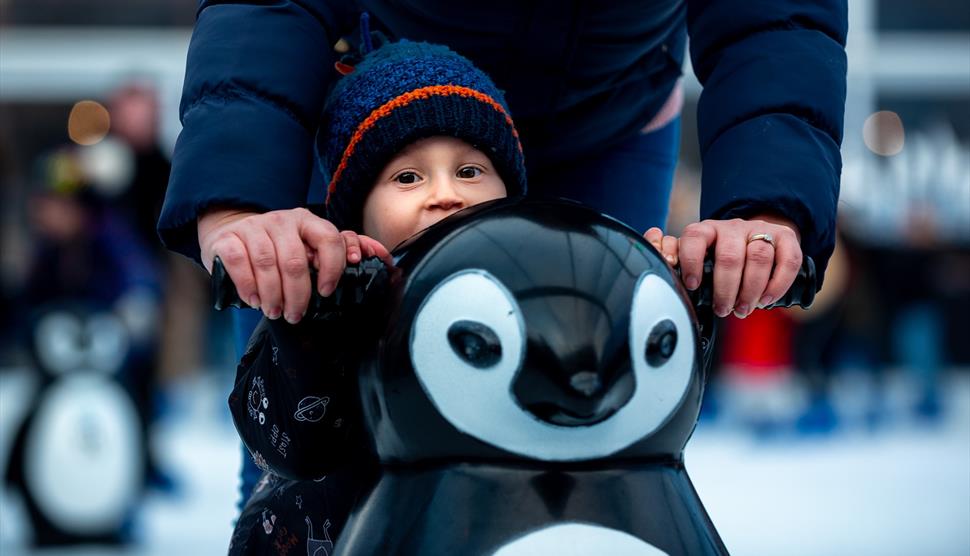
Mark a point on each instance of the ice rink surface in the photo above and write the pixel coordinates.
(903, 489)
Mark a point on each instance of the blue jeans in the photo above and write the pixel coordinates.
(631, 182)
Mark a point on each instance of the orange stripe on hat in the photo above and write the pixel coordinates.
(404, 100)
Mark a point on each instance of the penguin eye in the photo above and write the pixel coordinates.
(661, 343)
(470, 321)
(475, 343)
(656, 323)
(661, 346)
(108, 340)
(59, 341)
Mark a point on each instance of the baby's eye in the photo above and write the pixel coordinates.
(406, 177)
(469, 172)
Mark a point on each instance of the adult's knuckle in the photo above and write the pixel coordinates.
(323, 226)
(294, 266)
(263, 259)
(332, 240)
(222, 235)
(694, 231)
(232, 253)
(278, 218)
(792, 262)
(729, 258)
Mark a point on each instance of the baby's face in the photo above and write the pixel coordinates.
(430, 179)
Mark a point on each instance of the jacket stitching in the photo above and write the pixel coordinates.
(228, 94)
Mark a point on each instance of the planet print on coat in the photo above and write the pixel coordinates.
(311, 409)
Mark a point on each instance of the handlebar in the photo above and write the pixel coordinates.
(370, 277)
(361, 281)
(801, 292)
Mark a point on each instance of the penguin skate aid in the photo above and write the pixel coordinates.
(531, 374)
(77, 457)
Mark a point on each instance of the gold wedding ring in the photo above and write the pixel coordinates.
(762, 237)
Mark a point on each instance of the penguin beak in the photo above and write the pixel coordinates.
(573, 398)
(577, 369)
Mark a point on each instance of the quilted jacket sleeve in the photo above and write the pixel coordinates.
(771, 112)
(256, 77)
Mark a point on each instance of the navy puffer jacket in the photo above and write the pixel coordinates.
(579, 76)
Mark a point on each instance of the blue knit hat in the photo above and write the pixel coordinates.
(397, 94)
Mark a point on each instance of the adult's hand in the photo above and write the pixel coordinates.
(747, 274)
(267, 255)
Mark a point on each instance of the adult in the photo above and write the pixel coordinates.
(593, 90)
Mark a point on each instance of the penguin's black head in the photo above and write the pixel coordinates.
(73, 335)
(533, 329)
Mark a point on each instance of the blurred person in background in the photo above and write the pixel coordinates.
(912, 276)
(81, 247)
(836, 344)
(134, 120)
(84, 250)
(11, 258)
(816, 343)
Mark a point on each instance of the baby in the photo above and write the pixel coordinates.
(412, 135)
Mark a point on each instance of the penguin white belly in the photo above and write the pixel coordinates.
(83, 462)
(578, 539)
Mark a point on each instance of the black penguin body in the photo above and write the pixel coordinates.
(479, 509)
(539, 376)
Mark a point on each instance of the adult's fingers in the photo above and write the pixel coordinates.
(235, 258)
(788, 261)
(292, 262)
(216, 225)
(262, 256)
(729, 256)
(697, 238)
(330, 249)
(759, 257)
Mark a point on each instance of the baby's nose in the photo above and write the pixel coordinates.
(445, 196)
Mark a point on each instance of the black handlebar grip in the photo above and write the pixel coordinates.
(803, 289)
(801, 292)
(359, 284)
(224, 292)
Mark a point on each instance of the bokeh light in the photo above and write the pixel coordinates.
(109, 165)
(88, 122)
(883, 133)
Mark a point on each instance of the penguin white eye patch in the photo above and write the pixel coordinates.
(468, 342)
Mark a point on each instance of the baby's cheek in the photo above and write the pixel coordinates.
(391, 231)
(376, 221)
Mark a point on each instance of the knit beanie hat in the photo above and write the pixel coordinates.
(397, 94)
